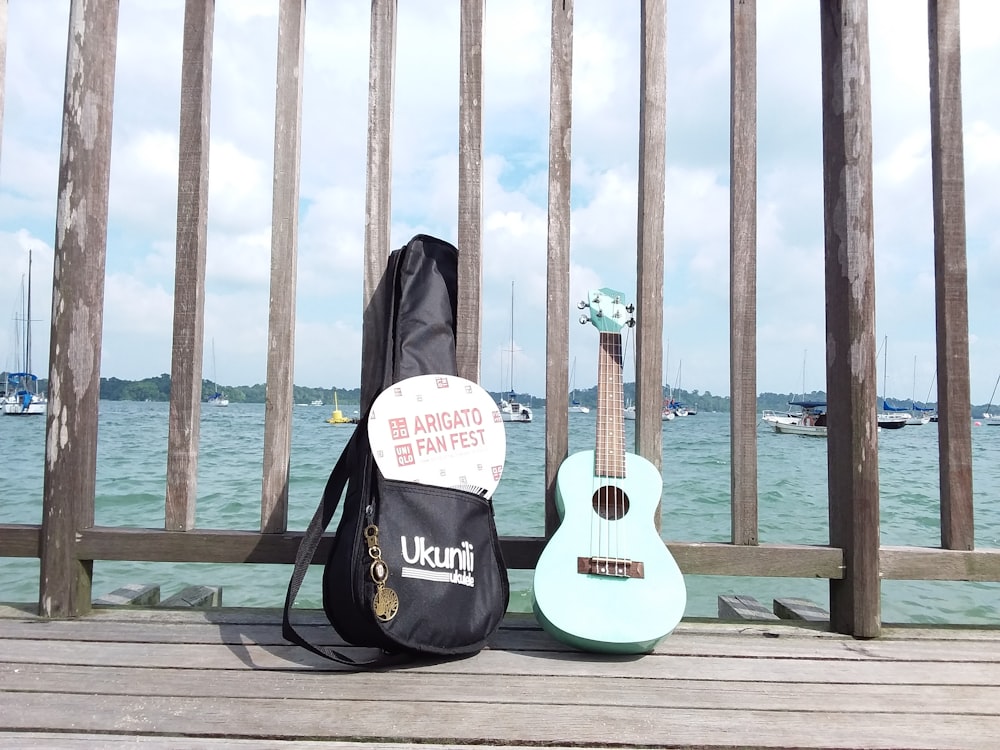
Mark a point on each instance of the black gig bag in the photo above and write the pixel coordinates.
(386, 523)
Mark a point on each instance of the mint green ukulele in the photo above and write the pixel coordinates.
(605, 581)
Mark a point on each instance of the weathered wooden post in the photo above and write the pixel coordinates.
(77, 307)
(468, 343)
(557, 255)
(743, 270)
(284, 250)
(950, 276)
(378, 179)
(649, 251)
(852, 445)
(189, 266)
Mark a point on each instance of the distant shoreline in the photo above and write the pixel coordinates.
(158, 389)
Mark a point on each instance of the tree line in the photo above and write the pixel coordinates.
(158, 389)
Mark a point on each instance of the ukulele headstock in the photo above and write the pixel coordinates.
(607, 311)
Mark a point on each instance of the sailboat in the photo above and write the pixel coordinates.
(575, 407)
(20, 395)
(667, 409)
(992, 418)
(918, 415)
(678, 408)
(511, 410)
(217, 398)
(891, 417)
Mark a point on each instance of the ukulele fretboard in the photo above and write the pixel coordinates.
(609, 459)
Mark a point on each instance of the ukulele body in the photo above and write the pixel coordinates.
(606, 581)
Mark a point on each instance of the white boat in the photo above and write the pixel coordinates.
(316, 402)
(678, 409)
(575, 407)
(20, 396)
(891, 417)
(772, 417)
(666, 414)
(811, 421)
(918, 415)
(511, 410)
(992, 419)
(217, 398)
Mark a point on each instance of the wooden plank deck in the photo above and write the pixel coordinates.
(226, 678)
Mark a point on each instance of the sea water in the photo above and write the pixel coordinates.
(792, 487)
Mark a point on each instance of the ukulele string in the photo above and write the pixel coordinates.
(611, 494)
(624, 342)
(600, 534)
(599, 490)
(619, 448)
(608, 495)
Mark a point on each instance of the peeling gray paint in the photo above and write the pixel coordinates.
(89, 118)
(80, 357)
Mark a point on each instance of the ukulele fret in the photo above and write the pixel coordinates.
(612, 567)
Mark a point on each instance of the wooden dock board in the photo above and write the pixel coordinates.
(226, 678)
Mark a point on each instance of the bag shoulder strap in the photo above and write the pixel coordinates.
(332, 493)
(356, 446)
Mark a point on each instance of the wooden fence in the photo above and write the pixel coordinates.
(67, 541)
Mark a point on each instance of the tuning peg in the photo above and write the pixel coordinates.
(582, 304)
(630, 323)
(630, 309)
(584, 319)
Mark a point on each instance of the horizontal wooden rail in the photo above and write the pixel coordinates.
(520, 553)
(20, 540)
(936, 564)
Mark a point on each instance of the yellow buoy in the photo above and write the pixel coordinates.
(338, 416)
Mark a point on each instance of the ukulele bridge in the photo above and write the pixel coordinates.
(612, 567)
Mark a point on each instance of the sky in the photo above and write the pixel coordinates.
(790, 317)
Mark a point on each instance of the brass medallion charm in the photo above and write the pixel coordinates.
(385, 603)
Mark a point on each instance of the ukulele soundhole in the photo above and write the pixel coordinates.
(610, 503)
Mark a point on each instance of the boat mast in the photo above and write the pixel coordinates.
(666, 375)
(885, 369)
(511, 340)
(804, 353)
(989, 406)
(27, 323)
